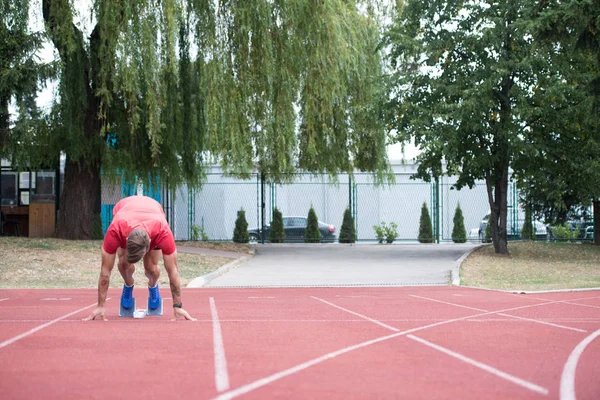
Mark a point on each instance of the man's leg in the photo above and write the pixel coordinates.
(152, 272)
(126, 270)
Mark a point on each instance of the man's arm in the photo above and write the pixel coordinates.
(108, 262)
(171, 267)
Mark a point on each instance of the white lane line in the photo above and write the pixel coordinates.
(567, 379)
(357, 314)
(221, 374)
(56, 299)
(34, 330)
(485, 367)
(544, 323)
(508, 315)
(300, 367)
(1, 300)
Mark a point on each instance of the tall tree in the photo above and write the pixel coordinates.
(461, 73)
(20, 73)
(563, 131)
(159, 89)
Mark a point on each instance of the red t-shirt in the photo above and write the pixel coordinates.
(139, 212)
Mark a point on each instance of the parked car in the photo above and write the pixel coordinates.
(540, 230)
(294, 228)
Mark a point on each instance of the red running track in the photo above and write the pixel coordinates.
(329, 343)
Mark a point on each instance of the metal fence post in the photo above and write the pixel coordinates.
(262, 207)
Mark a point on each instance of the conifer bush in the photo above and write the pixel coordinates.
(277, 234)
(527, 231)
(425, 227)
(240, 233)
(459, 233)
(348, 232)
(312, 233)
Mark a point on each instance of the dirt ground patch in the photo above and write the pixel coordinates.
(55, 263)
(534, 266)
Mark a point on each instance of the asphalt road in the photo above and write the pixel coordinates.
(280, 265)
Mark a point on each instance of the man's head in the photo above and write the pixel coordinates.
(138, 243)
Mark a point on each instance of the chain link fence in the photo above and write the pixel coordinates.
(210, 212)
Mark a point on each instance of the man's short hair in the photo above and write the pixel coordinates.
(138, 242)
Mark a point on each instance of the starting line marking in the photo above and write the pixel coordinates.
(47, 324)
(1, 300)
(221, 374)
(567, 379)
(56, 299)
(506, 315)
(485, 367)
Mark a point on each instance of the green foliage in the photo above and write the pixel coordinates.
(562, 232)
(312, 234)
(198, 233)
(277, 233)
(425, 227)
(386, 232)
(163, 89)
(527, 230)
(240, 233)
(459, 233)
(487, 238)
(462, 86)
(347, 231)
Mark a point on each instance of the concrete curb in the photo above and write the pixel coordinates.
(455, 272)
(203, 280)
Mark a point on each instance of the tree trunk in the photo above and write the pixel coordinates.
(498, 200)
(76, 216)
(597, 221)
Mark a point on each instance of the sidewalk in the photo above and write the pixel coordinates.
(237, 259)
(211, 252)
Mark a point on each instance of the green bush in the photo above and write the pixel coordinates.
(389, 233)
(277, 234)
(198, 232)
(527, 231)
(459, 233)
(240, 233)
(562, 232)
(312, 233)
(348, 232)
(488, 232)
(425, 227)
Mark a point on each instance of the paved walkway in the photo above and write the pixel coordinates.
(210, 252)
(280, 265)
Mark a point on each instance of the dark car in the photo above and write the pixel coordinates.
(294, 228)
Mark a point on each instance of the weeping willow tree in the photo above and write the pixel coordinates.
(161, 89)
(20, 73)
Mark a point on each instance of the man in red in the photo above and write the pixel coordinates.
(139, 229)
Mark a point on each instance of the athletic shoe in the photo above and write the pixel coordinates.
(154, 299)
(127, 297)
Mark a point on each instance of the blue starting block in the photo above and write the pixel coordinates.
(127, 312)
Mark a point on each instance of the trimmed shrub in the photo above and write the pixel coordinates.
(425, 227)
(277, 234)
(348, 232)
(312, 233)
(527, 231)
(459, 233)
(240, 233)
